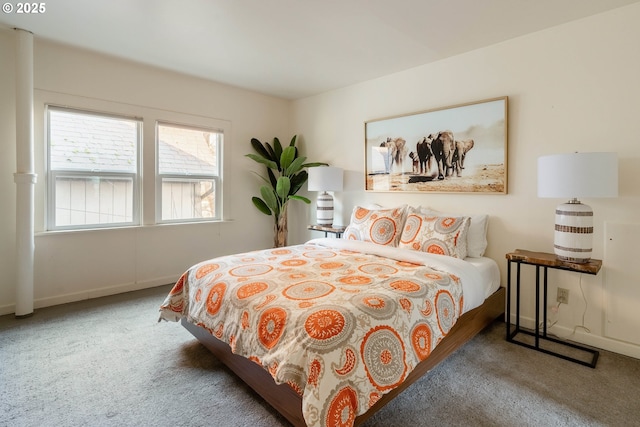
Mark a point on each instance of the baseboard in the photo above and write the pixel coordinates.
(582, 337)
(93, 293)
(7, 309)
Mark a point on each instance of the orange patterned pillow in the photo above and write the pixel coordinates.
(437, 235)
(381, 226)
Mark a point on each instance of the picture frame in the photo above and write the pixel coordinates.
(456, 149)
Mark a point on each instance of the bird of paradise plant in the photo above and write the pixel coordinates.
(286, 174)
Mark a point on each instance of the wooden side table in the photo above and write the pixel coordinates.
(544, 261)
(334, 229)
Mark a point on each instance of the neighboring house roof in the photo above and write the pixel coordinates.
(190, 150)
(86, 142)
(105, 144)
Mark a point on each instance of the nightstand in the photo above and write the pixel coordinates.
(333, 229)
(544, 261)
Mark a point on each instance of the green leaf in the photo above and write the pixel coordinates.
(269, 163)
(272, 178)
(298, 180)
(283, 187)
(302, 199)
(293, 141)
(257, 145)
(295, 166)
(288, 155)
(261, 205)
(269, 198)
(272, 155)
(314, 165)
(277, 147)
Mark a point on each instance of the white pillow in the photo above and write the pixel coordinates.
(477, 234)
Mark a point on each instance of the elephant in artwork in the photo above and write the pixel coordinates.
(414, 162)
(426, 159)
(460, 153)
(442, 146)
(395, 153)
(423, 148)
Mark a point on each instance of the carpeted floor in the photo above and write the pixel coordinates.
(107, 362)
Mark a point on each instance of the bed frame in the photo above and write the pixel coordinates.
(288, 403)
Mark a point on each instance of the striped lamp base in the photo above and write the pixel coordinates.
(573, 238)
(324, 209)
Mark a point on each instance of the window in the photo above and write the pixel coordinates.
(92, 169)
(188, 173)
(97, 176)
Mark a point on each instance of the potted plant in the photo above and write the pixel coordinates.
(286, 174)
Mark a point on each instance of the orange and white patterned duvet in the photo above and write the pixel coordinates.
(341, 327)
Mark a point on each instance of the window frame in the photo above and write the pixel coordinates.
(217, 179)
(52, 175)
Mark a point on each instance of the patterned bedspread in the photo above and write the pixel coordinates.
(341, 326)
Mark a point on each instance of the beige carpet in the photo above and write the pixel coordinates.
(107, 362)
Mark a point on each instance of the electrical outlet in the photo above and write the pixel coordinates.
(563, 296)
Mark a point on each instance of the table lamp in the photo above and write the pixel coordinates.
(324, 178)
(574, 176)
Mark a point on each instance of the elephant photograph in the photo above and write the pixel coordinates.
(458, 149)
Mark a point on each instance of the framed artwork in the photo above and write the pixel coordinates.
(457, 149)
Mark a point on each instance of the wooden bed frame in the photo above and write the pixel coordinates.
(288, 403)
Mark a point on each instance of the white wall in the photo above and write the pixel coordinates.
(570, 88)
(71, 266)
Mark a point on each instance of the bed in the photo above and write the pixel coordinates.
(329, 331)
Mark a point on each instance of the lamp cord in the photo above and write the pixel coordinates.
(555, 309)
(584, 312)
(576, 327)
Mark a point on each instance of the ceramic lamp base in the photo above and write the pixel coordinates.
(324, 209)
(573, 237)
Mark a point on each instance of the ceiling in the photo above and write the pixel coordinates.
(294, 48)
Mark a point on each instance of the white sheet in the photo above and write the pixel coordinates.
(490, 272)
(480, 277)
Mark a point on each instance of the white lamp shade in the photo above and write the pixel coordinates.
(325, 178)
(578, 175)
